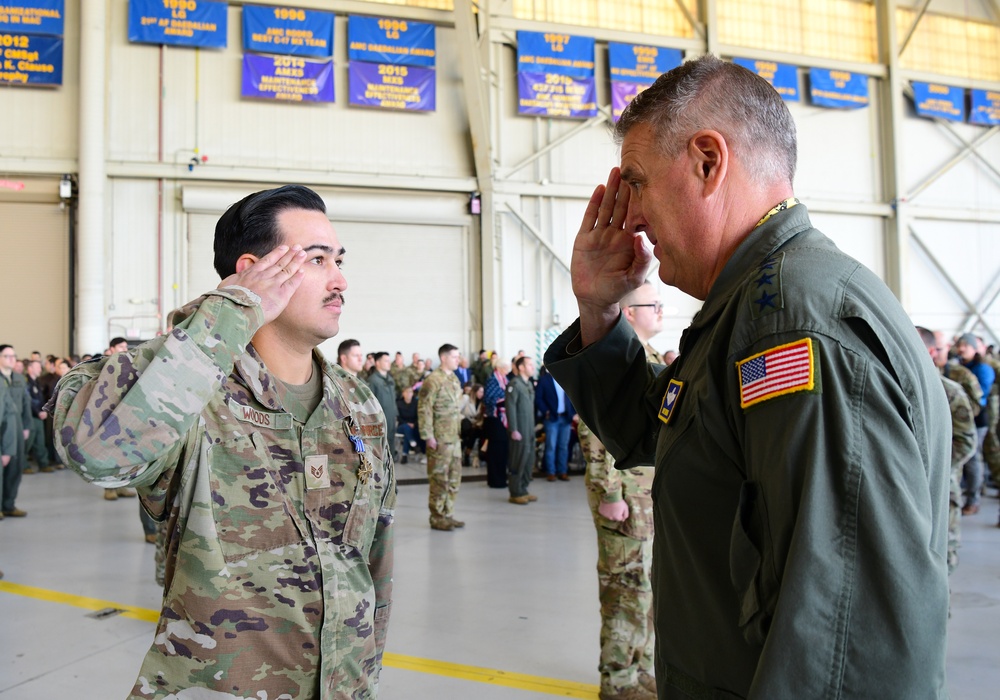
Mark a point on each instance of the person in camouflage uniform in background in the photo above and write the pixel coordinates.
(269, 466)
(963, 439)
(991, 445)
(440, 426)
(622, 508)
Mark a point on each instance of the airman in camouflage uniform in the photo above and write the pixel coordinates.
(624, 559)
(277, 489)
(991, 446)
(440, 426)
(963, 446)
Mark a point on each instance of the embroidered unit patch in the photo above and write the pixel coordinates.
(670, 398)
(782, 370)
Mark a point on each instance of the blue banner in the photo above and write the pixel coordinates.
(641, 64)
(553, 95)
(549, 52)
(29, 59)
(288, 30)
(32, 16)
(985, 107)
(178, 22)
(287, 78)
(391, 86)
(783, 77)
(838, 88)
(621, 94)
(939, 101)
(387, 40)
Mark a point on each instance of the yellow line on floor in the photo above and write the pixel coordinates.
(520, 681)
(78, 601)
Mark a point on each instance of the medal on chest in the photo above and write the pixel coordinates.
(354, 435)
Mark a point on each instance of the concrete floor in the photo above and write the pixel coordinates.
(506, 608)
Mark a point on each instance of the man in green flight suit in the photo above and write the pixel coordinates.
(520, 406)
(17, 392)
(440, 422)
(269, 465)
(801, 440)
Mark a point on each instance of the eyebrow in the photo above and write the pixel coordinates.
(628, 173)
(325, 249)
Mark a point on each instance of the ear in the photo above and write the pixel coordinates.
(710, 153)
(245, 261)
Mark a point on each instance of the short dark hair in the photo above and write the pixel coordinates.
(379, 355)
(251, 225)
(117, 340)
(445, 349)
(927, 336)
(518, 361)
(345, 347)
(5, 346)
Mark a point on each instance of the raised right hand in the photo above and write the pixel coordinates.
(274, 278)
(609, 260)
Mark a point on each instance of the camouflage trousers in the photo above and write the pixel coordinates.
(444, 472)
(991, 453)
(954, 517)
(623, 566)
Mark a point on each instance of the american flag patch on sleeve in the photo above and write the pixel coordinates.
(782, 370)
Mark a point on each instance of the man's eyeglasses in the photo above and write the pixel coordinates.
(656, 307)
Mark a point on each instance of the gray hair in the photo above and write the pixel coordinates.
(709, 93)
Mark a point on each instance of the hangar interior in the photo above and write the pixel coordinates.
(458, 224)
(157, 141)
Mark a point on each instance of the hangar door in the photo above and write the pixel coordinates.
(410, 286)
(35, 281)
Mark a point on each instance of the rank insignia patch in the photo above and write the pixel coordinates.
(781, 370)
(670, 399)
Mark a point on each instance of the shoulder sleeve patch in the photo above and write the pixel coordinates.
(782, 370)
(765, 287)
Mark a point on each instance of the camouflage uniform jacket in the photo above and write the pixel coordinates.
(606, 484)
(963, 434)
(279, 537)
(438, 407)
(963, 376)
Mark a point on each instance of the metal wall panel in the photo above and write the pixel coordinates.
(133, 259)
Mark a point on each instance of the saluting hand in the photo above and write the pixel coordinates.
(609, 260)
(274, 278)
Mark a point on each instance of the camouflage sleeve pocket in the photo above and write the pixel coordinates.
(248, 505)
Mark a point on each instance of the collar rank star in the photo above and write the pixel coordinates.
(669, 406)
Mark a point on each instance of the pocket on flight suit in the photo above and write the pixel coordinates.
(248, 506)
(746, 565)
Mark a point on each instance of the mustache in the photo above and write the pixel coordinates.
(334, 297)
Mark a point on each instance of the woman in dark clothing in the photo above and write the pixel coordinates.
(406, 406)
(494, 427)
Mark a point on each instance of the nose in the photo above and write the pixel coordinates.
(634, 220)
(337, 281)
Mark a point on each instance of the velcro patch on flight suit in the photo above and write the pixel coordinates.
(262, 419)
(670, 400)
(781, 370)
